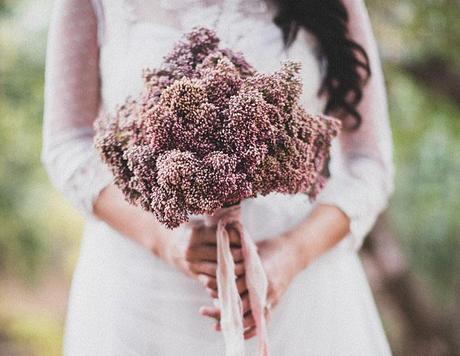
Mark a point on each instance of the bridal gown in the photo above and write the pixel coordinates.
(126, 301)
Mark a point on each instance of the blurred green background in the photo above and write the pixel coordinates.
(412, 257)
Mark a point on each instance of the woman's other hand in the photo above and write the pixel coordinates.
(276, 256)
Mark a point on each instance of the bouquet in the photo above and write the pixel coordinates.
(207, 131)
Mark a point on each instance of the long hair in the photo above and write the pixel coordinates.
(348, 66)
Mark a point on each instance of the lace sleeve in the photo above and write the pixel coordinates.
(362, 183)
(72, 103)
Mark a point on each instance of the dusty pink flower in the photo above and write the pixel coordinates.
(208, 131)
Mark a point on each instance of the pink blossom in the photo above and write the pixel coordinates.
(208, 131)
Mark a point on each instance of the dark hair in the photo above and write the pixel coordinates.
(327, 20)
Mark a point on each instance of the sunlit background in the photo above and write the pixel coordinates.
(412, 257)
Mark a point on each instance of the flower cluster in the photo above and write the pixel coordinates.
(208, 131)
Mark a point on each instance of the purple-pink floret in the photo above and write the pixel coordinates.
(208, 131)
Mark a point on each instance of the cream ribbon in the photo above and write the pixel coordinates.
(229, 300)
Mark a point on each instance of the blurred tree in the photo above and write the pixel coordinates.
(20, 103)
(420, 43)
(422, 37)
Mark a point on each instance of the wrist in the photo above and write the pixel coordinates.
(298, 250)
(150, 242)
(169, 246)
(319, 232)
(155, 238)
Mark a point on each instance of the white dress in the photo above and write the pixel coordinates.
(124, 300)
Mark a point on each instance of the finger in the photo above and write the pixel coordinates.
(207, 235)
(241, 284)
(208, 281)
(249, 333)
(208, 253)
(248, 320)
(245, 302)
(237, 254)
(212, 312)
(203, 235)
(204, 267)
(210, 268)
(198, 253)
(234, 236)
(239, 269)
(249, 325)
(212, 292)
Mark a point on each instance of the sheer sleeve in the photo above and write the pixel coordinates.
(362, 182)
(72, 103)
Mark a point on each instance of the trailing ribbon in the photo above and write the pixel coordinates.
(229, 301)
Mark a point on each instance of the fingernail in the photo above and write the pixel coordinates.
(202, 279)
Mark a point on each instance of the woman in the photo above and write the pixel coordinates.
(140, 289)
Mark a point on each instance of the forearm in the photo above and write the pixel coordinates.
(326, 226)
(130, 221)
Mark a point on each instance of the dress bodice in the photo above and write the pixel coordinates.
(135, 34)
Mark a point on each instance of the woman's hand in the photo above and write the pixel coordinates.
(277, 259)
(193, 250)
(276, 256)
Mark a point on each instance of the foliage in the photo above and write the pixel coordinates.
(425, 206)
(418, 28)
(38, 230)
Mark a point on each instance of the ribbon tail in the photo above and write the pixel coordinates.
(231, 307)
(257, 283)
